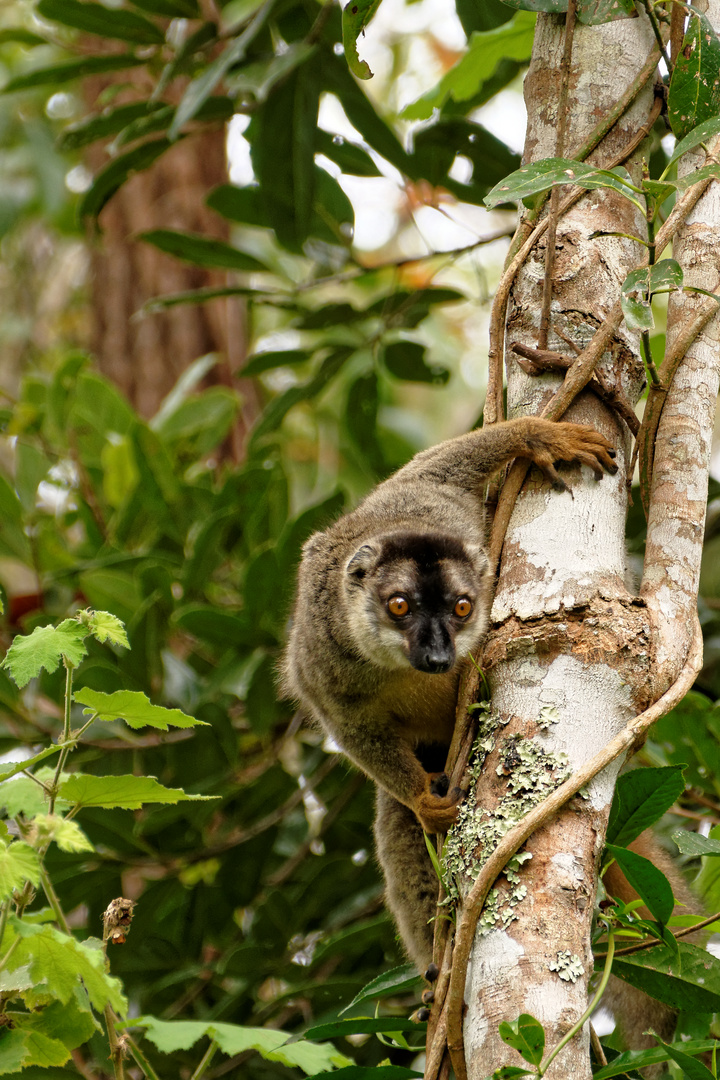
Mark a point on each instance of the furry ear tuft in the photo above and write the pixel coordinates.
(359, 563)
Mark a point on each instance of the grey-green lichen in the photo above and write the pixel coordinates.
(568, 966)
(532, 774)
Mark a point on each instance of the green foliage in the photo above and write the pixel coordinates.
(525, 1035)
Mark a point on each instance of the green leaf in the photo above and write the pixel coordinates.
(647, 881)
(67, 834)
(526, 1035)
(31, 467)
(13, 538)
(351, 158)
(360, 1025)
(24, 795)
(694, 94)
(687, 181)
(60, 961)
(24, 37)
(396, 980)
(170, 9)
(266, 361)
(114, 175)
(71, 1022)
(356, 15)
(69, 70)
(666, 274)
(128, 792)
(244, 205)
(370, 1072)
(103, 21)
(171, 1035)
(201, 250)
(698, 135)
(105, 627)
(687, 979)
(200, 89)
(641, 798)
(283, 153)
(22, 1047)
(693, 843)
(108, 122)
(406, 360)
(281, 405)
(486, 51)
(550, 172)
(592, 12)
(18, 864)
(134, 708)
(632, 1060)
(690, 1066)
(45, 648)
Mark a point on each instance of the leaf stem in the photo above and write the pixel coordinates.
(658, 36)
(116, 1049)
(66, 734)
(53, 901)
(647, 357)
(140, 1058)
(542, 1069)
(205, 1060)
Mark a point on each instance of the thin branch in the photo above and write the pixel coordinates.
(562, 115)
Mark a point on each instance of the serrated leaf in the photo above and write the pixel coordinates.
(67, 834)
(22, 1047)
(126, 792)
(18, 864)
(648, 882)
(102, 21)
(105, 627)
(526, 1035)
(396, 980)
(56, 74)
(171, 1035)
(134, 708)
(61, 961)
(641, 798)
(45, 648)
(356, 15)
(551, 172)
(200, 250)
(694, 94)
(687, 978)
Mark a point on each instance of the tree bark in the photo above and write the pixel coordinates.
(568, 656)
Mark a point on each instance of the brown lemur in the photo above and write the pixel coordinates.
(387, 606)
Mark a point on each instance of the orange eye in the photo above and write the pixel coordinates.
(398, 606)
(463, 607)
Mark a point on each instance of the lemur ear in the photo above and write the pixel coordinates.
(359, 563)
(477, 553)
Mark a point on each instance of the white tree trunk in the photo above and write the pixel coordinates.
(569, 654)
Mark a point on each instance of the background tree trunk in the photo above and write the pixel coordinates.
(568, 655)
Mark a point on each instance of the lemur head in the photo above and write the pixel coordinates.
(412, 599)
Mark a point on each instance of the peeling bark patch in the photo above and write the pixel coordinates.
(614, 633)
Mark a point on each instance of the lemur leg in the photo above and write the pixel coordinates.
(411, 884)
